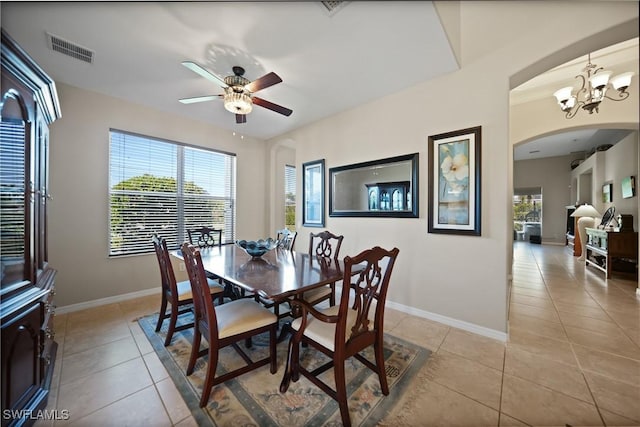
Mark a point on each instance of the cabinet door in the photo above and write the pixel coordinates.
(16, 179)
(20, 352)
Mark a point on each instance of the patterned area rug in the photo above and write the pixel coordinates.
(253, 399)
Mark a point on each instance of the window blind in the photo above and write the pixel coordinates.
(163, 187)
(290, 197)
(12, 192)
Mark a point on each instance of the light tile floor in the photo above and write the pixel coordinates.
(573, 357)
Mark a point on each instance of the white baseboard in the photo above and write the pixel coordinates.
(553, 243)
(108, 300)
(460, 324)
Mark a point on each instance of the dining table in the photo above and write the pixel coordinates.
(279, 274)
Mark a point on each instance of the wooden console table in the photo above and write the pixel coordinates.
(607, 250)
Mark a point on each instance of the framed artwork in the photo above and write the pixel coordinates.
(313, 194)
(454, 182)
(628, 187)
(606, 193)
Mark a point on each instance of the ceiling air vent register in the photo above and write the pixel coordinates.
(58, 44)
(332, 7)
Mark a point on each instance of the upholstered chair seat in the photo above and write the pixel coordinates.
(184, 289)
(240, 316)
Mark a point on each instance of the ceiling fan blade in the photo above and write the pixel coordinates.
(271, 106)
(263, 82)
(241, 118)
(199, 99)
(204, 72)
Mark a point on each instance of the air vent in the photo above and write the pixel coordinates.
(331, 7)
(68, 48)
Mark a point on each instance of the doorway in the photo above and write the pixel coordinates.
(527, 215)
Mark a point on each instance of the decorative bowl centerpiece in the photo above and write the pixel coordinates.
(257, 248)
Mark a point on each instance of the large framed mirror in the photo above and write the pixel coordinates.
(377, 188)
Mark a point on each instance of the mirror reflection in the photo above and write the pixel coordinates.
(384, 187)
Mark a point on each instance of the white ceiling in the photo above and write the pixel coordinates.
(329, 62)
(578, 144)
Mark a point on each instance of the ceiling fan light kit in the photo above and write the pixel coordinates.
(237, 102)
(238, 91)
(593, 90)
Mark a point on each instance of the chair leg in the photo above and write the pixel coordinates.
(195, 349)
(173, 319)
(378, 348)
(295, 361)
(341, 392)
(273, 356)
(289, 367)
(212, 364)
(332, 296)
(163, 309)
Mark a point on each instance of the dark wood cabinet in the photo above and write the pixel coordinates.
(27, 282)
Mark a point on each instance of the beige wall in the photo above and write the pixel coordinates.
(455, 279)
(620, 161)
(78, 221)
(552, 174)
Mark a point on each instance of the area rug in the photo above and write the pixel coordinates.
(254, 399)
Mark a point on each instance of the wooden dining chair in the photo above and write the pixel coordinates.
(208, 237)
(323, 244)
(178, 294)
(205, 237)
(224, 325)
(286, 238)
(344, 330)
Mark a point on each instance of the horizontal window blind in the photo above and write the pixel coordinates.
(12, 193)
(163, 187)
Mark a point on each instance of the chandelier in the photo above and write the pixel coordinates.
(593, 90)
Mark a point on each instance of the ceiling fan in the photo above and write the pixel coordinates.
(238, 91)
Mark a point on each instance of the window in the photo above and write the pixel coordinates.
(164, 187)
(290, 197)
(527, 212)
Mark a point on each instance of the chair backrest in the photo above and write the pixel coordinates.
(205, 237)
(325, 244)
(369, 292)
(204, 311)
(286, 238)
(167, 275)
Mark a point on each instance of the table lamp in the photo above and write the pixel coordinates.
(586, 218)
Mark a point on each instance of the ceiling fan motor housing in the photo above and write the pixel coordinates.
(236, 81)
